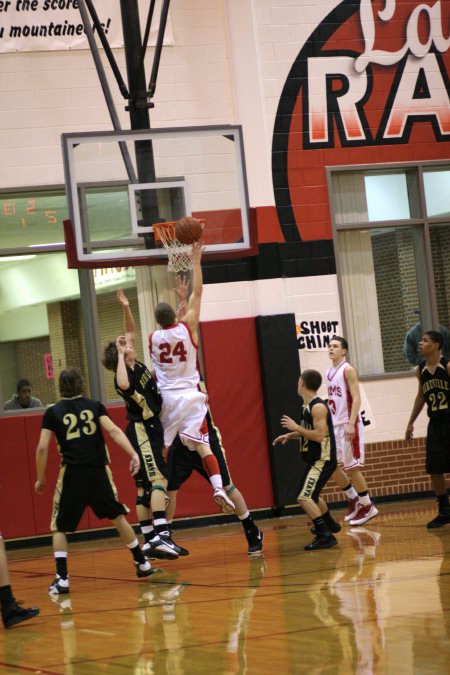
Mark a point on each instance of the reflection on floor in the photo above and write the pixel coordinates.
(377, 603)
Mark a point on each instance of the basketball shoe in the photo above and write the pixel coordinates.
(161, 548)
(321, 541)
(221, 498)
(365, 513)
(353, 506)
(334, 527)
(442, 518)
(181, 551)
(141, 573)
(59, 586)
(255, 542)
(13, 613)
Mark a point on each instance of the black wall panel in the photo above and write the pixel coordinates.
(280, 371)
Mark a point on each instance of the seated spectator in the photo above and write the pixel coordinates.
(23, 399)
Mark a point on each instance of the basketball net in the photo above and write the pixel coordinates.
(180, 255)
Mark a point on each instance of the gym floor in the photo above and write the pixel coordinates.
(379, 602)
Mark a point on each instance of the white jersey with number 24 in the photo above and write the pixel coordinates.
(174, 357)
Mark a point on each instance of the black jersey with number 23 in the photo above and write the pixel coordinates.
(76, 425)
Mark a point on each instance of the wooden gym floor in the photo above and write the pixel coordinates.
(379, 602)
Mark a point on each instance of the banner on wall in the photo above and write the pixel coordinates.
(45, 25)
(315, 334)
(371, 84)
(365, 411)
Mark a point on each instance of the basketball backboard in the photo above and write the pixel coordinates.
(120, 183)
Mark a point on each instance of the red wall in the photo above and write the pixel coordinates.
(232, 370)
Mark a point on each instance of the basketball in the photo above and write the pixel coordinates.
(188, 230)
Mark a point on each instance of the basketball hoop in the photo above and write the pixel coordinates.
(180, 255)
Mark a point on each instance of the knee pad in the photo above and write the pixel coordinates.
(146, 498)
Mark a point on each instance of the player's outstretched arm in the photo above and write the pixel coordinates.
(192, 315)
(118, 436)
(128, 320)
(121, 372)
(182, 291)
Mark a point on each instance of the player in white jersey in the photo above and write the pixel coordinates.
(173, 350)
(344, 400)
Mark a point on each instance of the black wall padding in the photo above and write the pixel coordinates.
(280, 371)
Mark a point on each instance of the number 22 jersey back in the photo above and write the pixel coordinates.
(174, 357)
(76, 425)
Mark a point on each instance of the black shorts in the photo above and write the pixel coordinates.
(147, 438)
(314, 478)
(182, 461)
(438, 446)
(78, 487)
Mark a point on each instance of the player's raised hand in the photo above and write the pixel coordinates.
(121, 344)
(182, 287)
(197, 250)
(122, 298)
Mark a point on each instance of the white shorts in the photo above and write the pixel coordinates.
(183, 412)
(350, 454)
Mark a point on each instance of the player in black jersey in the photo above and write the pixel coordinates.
(134, 383)
(318, 448)
(85, 478)
(433, 373)
(182, 462)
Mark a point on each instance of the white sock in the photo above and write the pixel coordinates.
(216, 481)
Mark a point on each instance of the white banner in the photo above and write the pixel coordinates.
(44, 25)
(314, 335)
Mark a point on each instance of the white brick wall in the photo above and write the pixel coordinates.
(228, 64)
(391, 400)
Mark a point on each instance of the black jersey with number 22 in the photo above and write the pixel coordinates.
(436, 388)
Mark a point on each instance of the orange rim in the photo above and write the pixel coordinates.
(168, 226)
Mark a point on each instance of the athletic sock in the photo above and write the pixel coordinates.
(136, 552)
(61, 563)
(211, 467)
(247, 523)
(328, 519)
(350, 492)
(160, 522)
(6, 596)
(364, 497)
(146, 529)
(443, 501)
(321, 527)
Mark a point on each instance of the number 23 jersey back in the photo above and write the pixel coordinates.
(76, 425)
(174, 357)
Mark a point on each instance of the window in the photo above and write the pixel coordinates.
(41, 328)
(392, 250)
